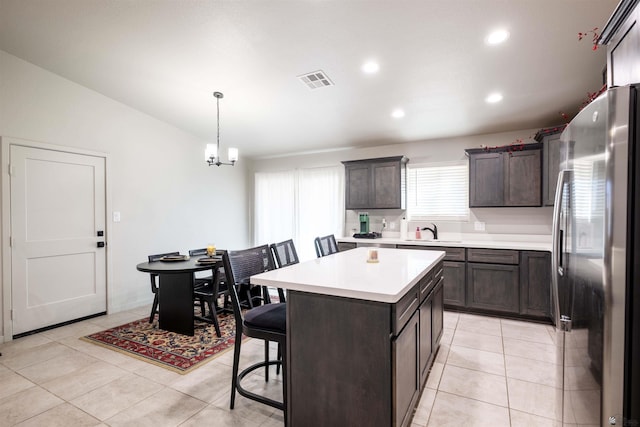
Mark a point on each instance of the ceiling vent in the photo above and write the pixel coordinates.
(315, 80)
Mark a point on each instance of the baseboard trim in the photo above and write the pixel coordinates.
(57, 325)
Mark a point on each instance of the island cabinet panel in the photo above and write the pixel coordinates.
(493, 287)
(535, 283)
(437, 315)
(325, 387)
(406, 377)
(426, 344)
(431, 327)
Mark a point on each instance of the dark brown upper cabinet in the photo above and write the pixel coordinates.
(376, 183)
(505, 176)
(621, 35)
(552, 155)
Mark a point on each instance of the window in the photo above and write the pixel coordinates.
(299, 205)
(438, 191)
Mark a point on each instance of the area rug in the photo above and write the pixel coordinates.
(177, 352)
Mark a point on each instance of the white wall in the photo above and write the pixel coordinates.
(169, 198)
(497, 220)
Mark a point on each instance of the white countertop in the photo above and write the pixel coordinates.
(522, 244)
(348, 274)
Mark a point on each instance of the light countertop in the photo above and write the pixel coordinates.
(348, 274)
(521, 243)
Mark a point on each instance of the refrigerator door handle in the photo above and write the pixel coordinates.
(557, 238)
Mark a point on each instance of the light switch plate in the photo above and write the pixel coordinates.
(116, 216)
(478, 226)
(392, 225)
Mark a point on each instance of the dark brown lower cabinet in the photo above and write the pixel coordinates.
(454, 283)
(535, 283)
(493, 287)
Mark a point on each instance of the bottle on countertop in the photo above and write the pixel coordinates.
(418, 234)
(403, 229)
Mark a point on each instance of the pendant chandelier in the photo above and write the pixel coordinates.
(212, 153)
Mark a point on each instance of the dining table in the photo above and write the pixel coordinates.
(175, 290)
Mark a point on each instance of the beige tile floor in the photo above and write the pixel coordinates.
(488, 372)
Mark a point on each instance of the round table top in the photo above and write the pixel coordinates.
(168, 267)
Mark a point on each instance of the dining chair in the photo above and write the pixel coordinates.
(284, 254)
(266, 322)
(208, 289)
(154, 285)
(208, 295)
(325, 245)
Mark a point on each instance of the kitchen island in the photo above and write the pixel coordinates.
(361, 335)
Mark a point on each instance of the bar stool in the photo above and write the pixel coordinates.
(267, 321)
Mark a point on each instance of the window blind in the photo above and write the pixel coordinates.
(589, 188)
(438, 191)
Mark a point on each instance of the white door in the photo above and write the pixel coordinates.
(58, 272)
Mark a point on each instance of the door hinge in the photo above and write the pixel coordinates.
(12, 170)
(11, 312)
(10, 241)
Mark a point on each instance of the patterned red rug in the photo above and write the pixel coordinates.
(177, 352)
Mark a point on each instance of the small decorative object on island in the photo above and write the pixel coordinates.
(418, 234)
(212, 153)
(373, 256)
(211, 250)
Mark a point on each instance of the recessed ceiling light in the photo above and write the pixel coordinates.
(493, 98)
(397, 113)
(370, 67)
(497, 37)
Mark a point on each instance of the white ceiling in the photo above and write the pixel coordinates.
(166, 57)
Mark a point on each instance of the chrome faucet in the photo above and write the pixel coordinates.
(433, 230)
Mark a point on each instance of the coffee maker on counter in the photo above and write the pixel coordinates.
(364, 222)
(364, 228)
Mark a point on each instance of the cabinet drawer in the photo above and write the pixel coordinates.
(452, 254)
(404, 309)
(345, 246)
(426, 284)
(493, 256)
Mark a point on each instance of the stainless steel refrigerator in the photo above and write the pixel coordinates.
(595, 263)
